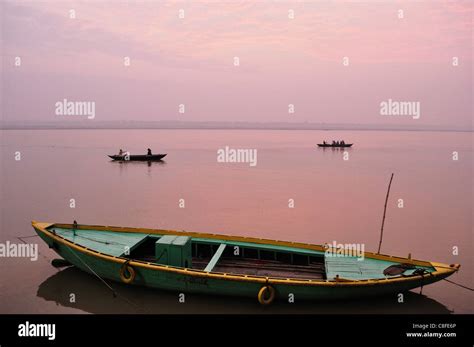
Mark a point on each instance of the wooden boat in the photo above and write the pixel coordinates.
(190, 262)
(138, 157)
(325, 145)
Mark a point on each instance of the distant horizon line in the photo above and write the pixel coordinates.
(213, 125)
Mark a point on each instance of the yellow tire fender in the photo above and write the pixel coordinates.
(266, 295)
(123, 273)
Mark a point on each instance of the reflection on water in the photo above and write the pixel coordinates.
(138, 162)
(335, 148)
(94, 297)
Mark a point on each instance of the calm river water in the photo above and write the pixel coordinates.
(334, 200)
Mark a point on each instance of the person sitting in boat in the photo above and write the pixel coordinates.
(343, 143)
(148, 152)
(333, 142)
(324, 142)
(120, 152)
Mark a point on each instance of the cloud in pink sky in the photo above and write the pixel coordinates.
(282, 60)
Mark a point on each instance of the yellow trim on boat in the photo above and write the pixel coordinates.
(441, 270)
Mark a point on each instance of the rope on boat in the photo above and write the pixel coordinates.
(114, 293)
(100, 278)
(459, 285)
(26, 237)
(421, 272)
(99, 241)
(42, 255)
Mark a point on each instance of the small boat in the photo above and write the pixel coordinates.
(190, 262)
(138, 157)
(325, 145)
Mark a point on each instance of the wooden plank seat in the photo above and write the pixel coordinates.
(215, 258)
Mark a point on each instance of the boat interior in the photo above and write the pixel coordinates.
(212, 256)
(229, 256)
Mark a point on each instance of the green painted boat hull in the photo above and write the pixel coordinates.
(182, 281)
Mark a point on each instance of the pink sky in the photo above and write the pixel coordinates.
(282, 61)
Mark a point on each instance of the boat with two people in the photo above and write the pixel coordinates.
(125, 156)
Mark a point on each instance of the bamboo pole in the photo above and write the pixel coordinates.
(384, 212)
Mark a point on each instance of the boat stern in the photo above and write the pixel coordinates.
(445, 270)
(41, 230)
(441, 271)
(40, 226)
